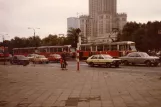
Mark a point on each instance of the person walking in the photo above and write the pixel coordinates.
(63, 61)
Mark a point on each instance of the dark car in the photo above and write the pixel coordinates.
(19, 60)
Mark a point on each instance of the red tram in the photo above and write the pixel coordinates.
(115, 49)
(3, 53)
(43, 50)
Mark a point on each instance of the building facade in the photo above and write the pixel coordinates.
(102, 19)
(73, 22)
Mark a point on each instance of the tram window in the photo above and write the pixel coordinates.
(43, 50)
(106, 47)
(83, 48)
(65, 49)
(132, 48)
(93, 48)
(59, 49)
(100, 48)
(113, 47)
(51, 49)
(122, 47)
(24, 51)
(88, 48)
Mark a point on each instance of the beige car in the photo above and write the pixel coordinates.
(40, 59)
(31, 57)
(103, 60)
(140, 58)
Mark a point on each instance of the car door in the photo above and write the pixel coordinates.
(130, 58)
(138, 59)
(94, 59)
(101, 60)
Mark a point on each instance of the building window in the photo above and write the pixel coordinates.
(123, 19)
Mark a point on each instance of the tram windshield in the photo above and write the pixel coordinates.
(132, 47)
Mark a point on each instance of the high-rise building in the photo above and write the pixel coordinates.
(102, 6)
(73, 22)
(102, 19)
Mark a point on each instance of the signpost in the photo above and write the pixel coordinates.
(78, 50)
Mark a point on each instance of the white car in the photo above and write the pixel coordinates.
(103, 59)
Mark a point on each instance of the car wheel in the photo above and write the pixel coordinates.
(91, 64)
(148, 63)
(108, 65)
(126, 63)
(11, 62)
(117, 65)
(47, 62)
(156, 64)
(24, 63)
(133, 64)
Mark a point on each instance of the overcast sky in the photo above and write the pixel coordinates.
(51, 15)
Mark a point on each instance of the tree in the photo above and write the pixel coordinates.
(50, 40)
(72, 36)
(144, 35)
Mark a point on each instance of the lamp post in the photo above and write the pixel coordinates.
(34, 32)
(3, 47)
(34, 39)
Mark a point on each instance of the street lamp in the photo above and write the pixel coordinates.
(34, 38)
(3, 46)
(34, 29)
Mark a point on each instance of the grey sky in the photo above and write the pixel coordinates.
(51, 15)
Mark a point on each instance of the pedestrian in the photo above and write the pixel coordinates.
(63, 61)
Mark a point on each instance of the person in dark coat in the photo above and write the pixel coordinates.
(63, 60)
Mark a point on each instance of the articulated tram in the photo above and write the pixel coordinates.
(115, 49)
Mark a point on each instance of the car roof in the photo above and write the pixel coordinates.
(19, 55)
(138, 52)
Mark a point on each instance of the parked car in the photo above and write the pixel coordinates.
(19, 60)
(140, 58)
(103, 60)
(40, 59)
(54, 58)
(31, 56)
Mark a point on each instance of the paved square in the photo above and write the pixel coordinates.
(48, 86)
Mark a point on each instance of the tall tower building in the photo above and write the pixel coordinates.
(102, 6)
(102, 19)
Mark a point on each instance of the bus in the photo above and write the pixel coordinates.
(44, 50)
(115, 49)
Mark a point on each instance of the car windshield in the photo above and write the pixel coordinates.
(107, 56)
(144, 54)
(41, 56)
(31, 55)
(20, 57)
(55, 55)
